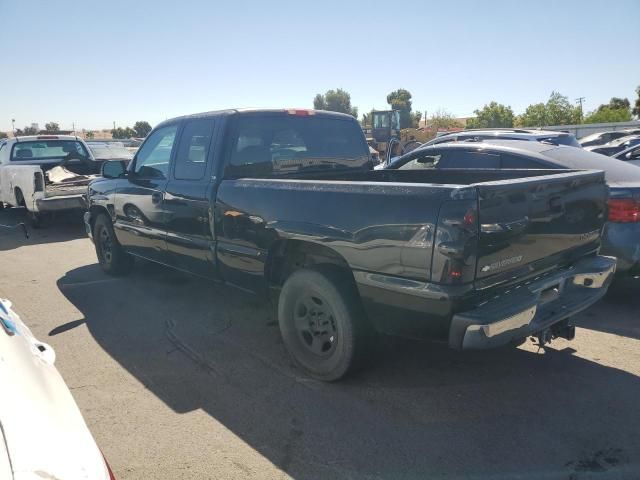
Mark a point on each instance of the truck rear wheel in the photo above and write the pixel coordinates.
(322, 324)
(111, 256)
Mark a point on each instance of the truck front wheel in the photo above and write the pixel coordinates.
(322, 323)
(111, 256)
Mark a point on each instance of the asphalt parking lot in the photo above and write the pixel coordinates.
(180, 378)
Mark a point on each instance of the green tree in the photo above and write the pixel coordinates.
(442, 119)
(26, 131)
(51, 127)
(401, 100)
(319, 102)
(366, 119)
(493, 115)
(122, 133)
(3, 135)
(90, 135)
(607, 114)
(636, 108)
(616, 104)
(557, 111)
(617, 110)
(142, 129)
(337, 100)
(417, 116)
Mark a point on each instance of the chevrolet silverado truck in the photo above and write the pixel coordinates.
(45, 173)
(285, 203)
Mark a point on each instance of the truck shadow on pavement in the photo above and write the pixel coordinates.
(61, 228)
(419, 410)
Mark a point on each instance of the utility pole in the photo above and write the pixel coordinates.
(580, 100)
(13, 126)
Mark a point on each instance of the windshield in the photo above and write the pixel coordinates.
(286, 144)
(46, 150)
(110, 152)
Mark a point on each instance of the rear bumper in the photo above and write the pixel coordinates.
(533, 307)
(54, 204)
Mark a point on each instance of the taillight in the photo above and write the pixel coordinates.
(38, 182)
(301, 113)
(624, 210)
(456, 242)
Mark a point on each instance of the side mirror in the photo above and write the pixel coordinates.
(114, 169)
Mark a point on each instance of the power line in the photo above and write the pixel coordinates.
(580, 100)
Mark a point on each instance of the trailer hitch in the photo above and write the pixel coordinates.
(559, 330)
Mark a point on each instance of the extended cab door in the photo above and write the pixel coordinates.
(189, 213)
(139, 204)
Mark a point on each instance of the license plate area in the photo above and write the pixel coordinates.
(551, 292)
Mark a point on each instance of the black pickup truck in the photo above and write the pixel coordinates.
(285, 203)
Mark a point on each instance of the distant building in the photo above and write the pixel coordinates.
(35, 126)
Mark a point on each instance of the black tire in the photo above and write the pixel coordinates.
(111, 256)
(322, 324)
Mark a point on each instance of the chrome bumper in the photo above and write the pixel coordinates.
(55, 204)
(534, 306)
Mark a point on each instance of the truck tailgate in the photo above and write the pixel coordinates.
(527, 223)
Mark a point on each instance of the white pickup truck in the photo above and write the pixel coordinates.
(45, 173)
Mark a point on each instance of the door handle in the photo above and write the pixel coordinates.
(156, 197)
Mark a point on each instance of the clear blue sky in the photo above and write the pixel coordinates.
(99, 62)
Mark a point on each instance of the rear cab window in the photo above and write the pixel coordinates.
(275, 144)
(46, 150)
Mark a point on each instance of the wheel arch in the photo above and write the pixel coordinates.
(96, 210)
(286, 256)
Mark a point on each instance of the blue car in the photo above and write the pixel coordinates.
(621, 237)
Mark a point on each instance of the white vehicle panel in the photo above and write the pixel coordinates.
(45, 434)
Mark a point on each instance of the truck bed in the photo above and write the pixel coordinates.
(520, 213)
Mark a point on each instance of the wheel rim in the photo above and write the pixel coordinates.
(316, 325)
(106, 246)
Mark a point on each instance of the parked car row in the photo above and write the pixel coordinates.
(615, 146)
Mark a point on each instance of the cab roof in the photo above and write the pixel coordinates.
(241, 111)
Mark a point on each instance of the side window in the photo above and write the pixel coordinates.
(420, 163)
(516, 161)
(469, 159)
(152, 160)
(193, 151)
